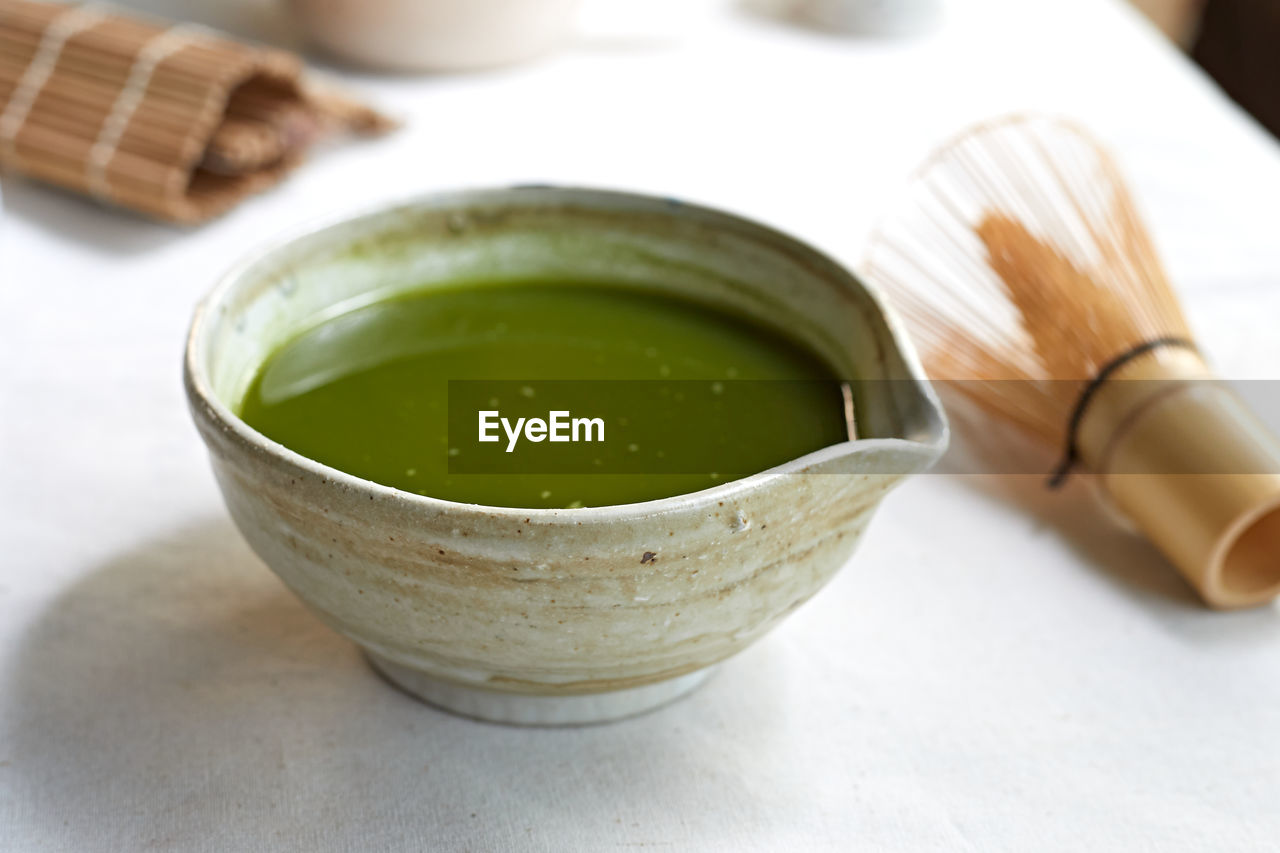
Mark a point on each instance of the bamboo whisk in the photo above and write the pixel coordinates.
(1021, 267)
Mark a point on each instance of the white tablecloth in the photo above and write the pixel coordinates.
(978, 678)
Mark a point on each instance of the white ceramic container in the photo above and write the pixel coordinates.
(555, 616)
(856, 17)
(435, 35)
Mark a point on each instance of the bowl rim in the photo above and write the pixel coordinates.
(205, 404)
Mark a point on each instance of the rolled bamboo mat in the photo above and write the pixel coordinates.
(173, 121)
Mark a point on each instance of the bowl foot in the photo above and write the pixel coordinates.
(524, 710)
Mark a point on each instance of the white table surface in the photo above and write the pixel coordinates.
(977, 679)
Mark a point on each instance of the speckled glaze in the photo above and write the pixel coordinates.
(554, 616)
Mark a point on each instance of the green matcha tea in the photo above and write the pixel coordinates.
(637, 395)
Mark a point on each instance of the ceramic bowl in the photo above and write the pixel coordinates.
(538, 615)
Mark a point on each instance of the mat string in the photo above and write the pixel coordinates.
(153, 52)
(59, 31)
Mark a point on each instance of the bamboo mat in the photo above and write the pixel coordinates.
(174, 121)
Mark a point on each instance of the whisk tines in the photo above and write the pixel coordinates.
(1020, 263)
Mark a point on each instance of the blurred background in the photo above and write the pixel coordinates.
(1235, 41)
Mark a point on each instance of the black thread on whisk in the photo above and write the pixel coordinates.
(1072, 454)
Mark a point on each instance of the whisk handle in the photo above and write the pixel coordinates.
(1185, 459)
(1071, 455)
